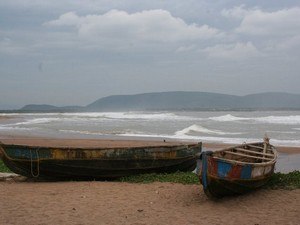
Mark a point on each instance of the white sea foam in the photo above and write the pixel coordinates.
(279, 142)
(195, 138)
(281, 132)
(131, 115)
(197, 125)
(13, 128)
(82, 132)
(226, 140)
(288, 120)
(227, 118)
(29, 114)
(36, 121)
(105, 115)
(200, 129)
(139, 134)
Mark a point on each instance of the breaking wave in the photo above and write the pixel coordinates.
(131, 115)
(288, 120)
(36, 121)
(227, 118)
(226, 140)
(200, 129)
(9, 128)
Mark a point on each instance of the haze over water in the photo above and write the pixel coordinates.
(283, 127)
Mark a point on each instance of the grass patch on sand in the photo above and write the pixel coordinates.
(277, 181)
(3, 168)
(285, 181)
(177, 177)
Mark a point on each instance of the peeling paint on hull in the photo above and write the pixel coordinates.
(231, 176)
(77, 163)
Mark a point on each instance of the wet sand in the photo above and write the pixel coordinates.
(112, 143)
(124, 203)
(85, 143)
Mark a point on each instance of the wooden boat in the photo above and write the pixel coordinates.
(236, 170)
(98, 163)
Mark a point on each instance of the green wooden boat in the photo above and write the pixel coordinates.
(98, 163)
(236, 170)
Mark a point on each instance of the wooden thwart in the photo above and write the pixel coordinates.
(254, 152)
(235, 161)
(248, 156)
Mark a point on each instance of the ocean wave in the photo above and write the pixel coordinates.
(29, 114)
(81, 132)
(107, 115)
(281, 132)
(87, 132)
(225, 140)
(36, 121)
(195, 138)
(131, 115)
(288, 120)
(280, 142)
(12, 128)
(227, 118)
(200, 129)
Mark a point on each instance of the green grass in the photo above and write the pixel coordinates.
(178, 177)
(277, 181)
(285, 181)
(3, 168)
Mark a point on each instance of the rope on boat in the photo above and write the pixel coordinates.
(37, 163)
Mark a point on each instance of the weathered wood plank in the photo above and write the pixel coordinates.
(254, 152)
(248, 156)
(254, 146)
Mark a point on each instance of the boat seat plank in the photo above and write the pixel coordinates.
(242, 162)
(248, 156)
(254, 152)
(254, 146)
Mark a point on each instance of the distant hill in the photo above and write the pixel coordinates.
(50, 108)
(182, 101)
(164, 101)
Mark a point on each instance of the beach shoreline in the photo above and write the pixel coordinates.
(288, 157)
(118, 142)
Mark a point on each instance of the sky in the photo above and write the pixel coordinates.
(73, 52)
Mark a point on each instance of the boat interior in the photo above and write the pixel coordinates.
(248, 153)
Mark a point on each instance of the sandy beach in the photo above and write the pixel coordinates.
(125, 203)
(112, 143)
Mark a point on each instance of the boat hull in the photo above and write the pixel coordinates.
(221, 178)
(63, 163)
(224, 187)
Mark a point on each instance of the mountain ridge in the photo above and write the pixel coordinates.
(181, 100)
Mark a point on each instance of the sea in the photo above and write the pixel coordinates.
(283, 127)
(236, 127)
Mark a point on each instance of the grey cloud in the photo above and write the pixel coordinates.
(147, 25)
(51, 49)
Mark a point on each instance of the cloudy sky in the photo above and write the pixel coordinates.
(73, 52)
